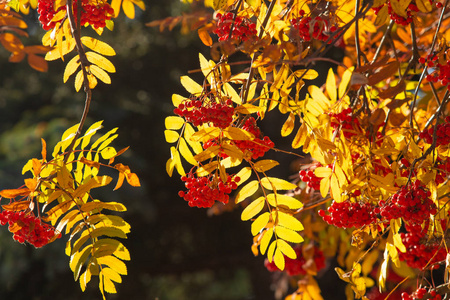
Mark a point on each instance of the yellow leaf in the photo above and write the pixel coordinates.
(205, 134)
(13, 193)
(335, 188)
(231, 92)
(95, 182)
(78, 259)
(100, 74)
(128, 8)
(188, 132)
(300, 137)
(273, 183)
(79, 79)
(111, 274)
(322, 172)
(236, 134)
(265, 165)
(186, 153)
(95, 233)
(288, 234)
(265, 240)
(108, 246)
(175, 156)
(90, 206)
(247, 109)
(253, 209)
(177, 99)
(288, 126)
(114, 263)
(108, 152)
(382, 16)
(325, 186)
(190, 85)
(218, 4)
(400, 6)
(271, 251)
(59, 16)
(279, 259)
(246, 191)
(260, 223)
(306, 74)
(207, 169)
(174, 123)
(207, 154)
(244, 174)
(277, 200)
(345, 82)
(288, 221)
(286, 249)
(100, 61)
(98, 46)
(115, 4)
(171, 136)
(330, 86)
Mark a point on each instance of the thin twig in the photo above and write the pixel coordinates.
(75, 28)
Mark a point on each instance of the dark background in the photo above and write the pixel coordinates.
(177, 252)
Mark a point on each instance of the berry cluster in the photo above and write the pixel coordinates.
(198, 112)
(257, 147)
(411, 202)
(412, 8)
(299, 265)
(308, 176)
(443, 172)
(309, 28)
(349, 214)
(204, 191)
(243, 28)
(345, 122)
(421, 252)
(420, 293)
(95, 13)
(27, 228)
(442, 133)
(441, 71)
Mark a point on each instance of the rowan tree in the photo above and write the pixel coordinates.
(370, 142)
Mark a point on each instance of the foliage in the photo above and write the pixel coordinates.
(375, 135)
(373, 182)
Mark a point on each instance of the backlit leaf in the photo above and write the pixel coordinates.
(265, 165)
(266, 240)
(286, 249)
(279, 200)
(273, 183)
(260, 223)
(186, 152)
(114, 263)
(288, 234)
(279, 259)
(205, 134)
(190, 85)
(98, 46)
(246, 191)
(100, 61)
(288, 126)
(237, 134)
(174, 122)
(100, 74)
(253, 209)
(171, 136)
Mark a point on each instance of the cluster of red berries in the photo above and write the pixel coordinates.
(243, 28)
(298, 266)
(421, 252)
(308, 176)
(309, 28)
(442, 133)
(198, 112)
(420, 293)
(345, 122)
(27, 228)
(412, 8)
(411, 202)
(94, 13)
(441, 71)
(204, 191)
(443, 172)
(257, 147)
(349, 214)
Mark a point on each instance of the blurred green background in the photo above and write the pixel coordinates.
(177, 252)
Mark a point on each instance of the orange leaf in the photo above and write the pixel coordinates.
(14, 193)
(17, 206)
(133, 179)
(393, 91)
(36, 166)
(205, 37)
(90, 163)
(386, 72)
(31, 183)
(120, 152)
(44, 150)
(119, 181)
